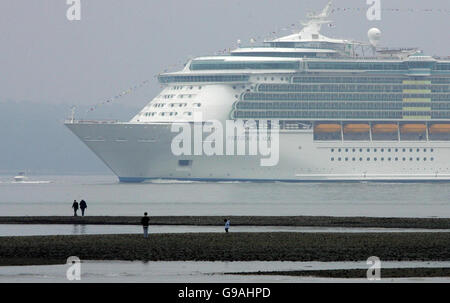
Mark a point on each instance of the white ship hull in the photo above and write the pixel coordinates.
(140, 152)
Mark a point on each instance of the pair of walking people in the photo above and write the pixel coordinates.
(82, 205)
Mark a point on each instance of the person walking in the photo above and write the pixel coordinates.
(144, 221)
(83, 207)
(227, 224)
(75, 208)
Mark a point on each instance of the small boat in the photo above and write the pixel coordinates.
(385, 128)
(413, 128)
(440, 128)
(327, 128)
(20, 177)
(357, 128)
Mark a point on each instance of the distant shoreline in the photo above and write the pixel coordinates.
(305, 221)
(278, 246)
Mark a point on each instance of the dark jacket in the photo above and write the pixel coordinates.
(83, 204)
(144, 221)
(75, 205)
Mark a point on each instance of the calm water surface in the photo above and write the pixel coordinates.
(53, 195)
(195, 272)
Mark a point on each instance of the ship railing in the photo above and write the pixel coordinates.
(72, 121)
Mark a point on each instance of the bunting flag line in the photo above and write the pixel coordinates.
(118, 96)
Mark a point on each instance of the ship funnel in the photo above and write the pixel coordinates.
(374, 35)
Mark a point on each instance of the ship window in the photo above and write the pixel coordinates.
(425, 150)
(339, 150)
(354, 150)
(432, 159)
(339, 159)
(346, 150)
(353, 159)
(410, 150)
(375, 159)
(368, 150)
(382, 150)
(425, 159)
(396, 159)
(404, 150)
(332, 150)
(360, 150)
(418, 159)
(418, 150)
(389, 159)
(396, 150)
(360, 159)
(382, 159)
(404, 159)
(431, 150)
(346, 159)
(389, 150)
(410, 159)
(184, 163)
(332, 159)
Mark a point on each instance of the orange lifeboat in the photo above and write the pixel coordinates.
(385, 128)
(413, 128)
(356, 128)
(439, 128)
(327, 128)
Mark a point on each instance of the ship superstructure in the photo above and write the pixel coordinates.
(345, 110)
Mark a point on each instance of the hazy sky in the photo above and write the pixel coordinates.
(45, 58)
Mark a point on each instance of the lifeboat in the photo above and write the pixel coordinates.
(413, 128)
(327, 128)
(439, 128)
(385, 128)
(356, 128)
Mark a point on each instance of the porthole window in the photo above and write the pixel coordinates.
(425, 159)
(346, 150)
(360, 159)
(431, 159)
(332, 159)
(346, 159)
(389, 150)
(410, 159)
(404, 159)
(339, 159)
(425, 150)
(418, 150)
(339, 150)
(418, 159)
(404, 150)
(431, 150)
(353, 150)
(382, 159)
(396, 159)
(368, 159)
(389, 159)
(353, 159)
(368, 150)
(382, 150)
(410, 150)
(375, 159)
(375, 150)
(332, 150)
(396, 150)
(360, 150)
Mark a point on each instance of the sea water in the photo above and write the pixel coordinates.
(105, 196)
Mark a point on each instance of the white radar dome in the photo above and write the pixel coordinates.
(374, 35)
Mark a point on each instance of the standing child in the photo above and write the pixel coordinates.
(227, 224)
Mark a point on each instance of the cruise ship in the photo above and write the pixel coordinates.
(344, 111)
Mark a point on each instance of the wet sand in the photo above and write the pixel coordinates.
(267, 246)
(310, 221)
(357, 273)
